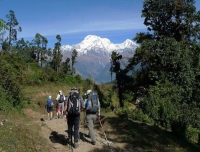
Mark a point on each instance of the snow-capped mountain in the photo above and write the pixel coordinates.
(94, 55)
(93, 42)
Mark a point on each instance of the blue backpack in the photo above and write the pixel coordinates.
(92, 104)
(49, 103)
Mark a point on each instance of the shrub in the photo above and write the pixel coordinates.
(192, 134)
(162, 103)
(6, 102)
(70, 80)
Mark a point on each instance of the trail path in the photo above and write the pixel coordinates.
(55, 131)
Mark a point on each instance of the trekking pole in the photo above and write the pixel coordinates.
(104, 133)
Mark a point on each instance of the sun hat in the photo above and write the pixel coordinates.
(88, 91)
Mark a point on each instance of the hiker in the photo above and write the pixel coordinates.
(92, 106)
(57, 109)
(60, 99)
(49, 107)
(74, 104)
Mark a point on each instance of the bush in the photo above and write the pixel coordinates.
(70, 80)
(192, 134)
(162, 103)
(10, 79)
(6, 102)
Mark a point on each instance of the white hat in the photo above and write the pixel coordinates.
(60, 91)
(88, 92)
(49, 97)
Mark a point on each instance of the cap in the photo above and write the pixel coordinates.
(60, 91)
(88, 92)
(49, 97)
(73, 89)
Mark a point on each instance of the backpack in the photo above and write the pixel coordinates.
(93, 102)
(74, 104)
(61, 100)
(49, 103)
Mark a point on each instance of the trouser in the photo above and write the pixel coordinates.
(73, 121)
(90, 119)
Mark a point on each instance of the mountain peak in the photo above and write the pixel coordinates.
(99, 45)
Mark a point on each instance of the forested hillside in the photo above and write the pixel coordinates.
(160, 84)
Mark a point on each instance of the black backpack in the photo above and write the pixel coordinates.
(74, 104)
(93, 102)
(61, 100)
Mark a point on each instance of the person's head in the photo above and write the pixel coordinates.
(74, 90)
(60, 92)
(49, 97)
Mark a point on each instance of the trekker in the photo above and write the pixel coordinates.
(57, 109)
(74, 104)
(60, 99)
(49, 107)
(92, 106)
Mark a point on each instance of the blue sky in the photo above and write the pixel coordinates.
(117, 20)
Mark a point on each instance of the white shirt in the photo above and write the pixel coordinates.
(58, 96)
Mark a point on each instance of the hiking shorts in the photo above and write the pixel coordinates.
(61, 106)
(49, 109)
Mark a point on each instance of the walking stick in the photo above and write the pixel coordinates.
(104, 132)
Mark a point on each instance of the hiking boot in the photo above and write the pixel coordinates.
(69, 140)
(93, 142)
(75, 145)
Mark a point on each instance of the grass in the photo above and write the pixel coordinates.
(20, 134)
(143, 137)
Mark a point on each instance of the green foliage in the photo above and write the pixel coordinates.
(167, 63)
(127, 112)
(162, 103)
(78, 78)
(87, 84)
(70, 80)
(10, 79)
(192, 134)
(171, 19)
(3, 25)
(5, 101)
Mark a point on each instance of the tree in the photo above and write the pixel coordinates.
(24, 50)
(57, 56)
(40, 49)
(44, 51)
(73, 59)
(169, 54)
(66, 66)
(11, 24)
(174, 18)
(3, 25)
(115, 67)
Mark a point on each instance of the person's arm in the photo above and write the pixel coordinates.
(65, 104)
(82, 103)
(58, 97)
(64, 97)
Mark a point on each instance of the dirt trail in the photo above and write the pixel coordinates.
(55, 131)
